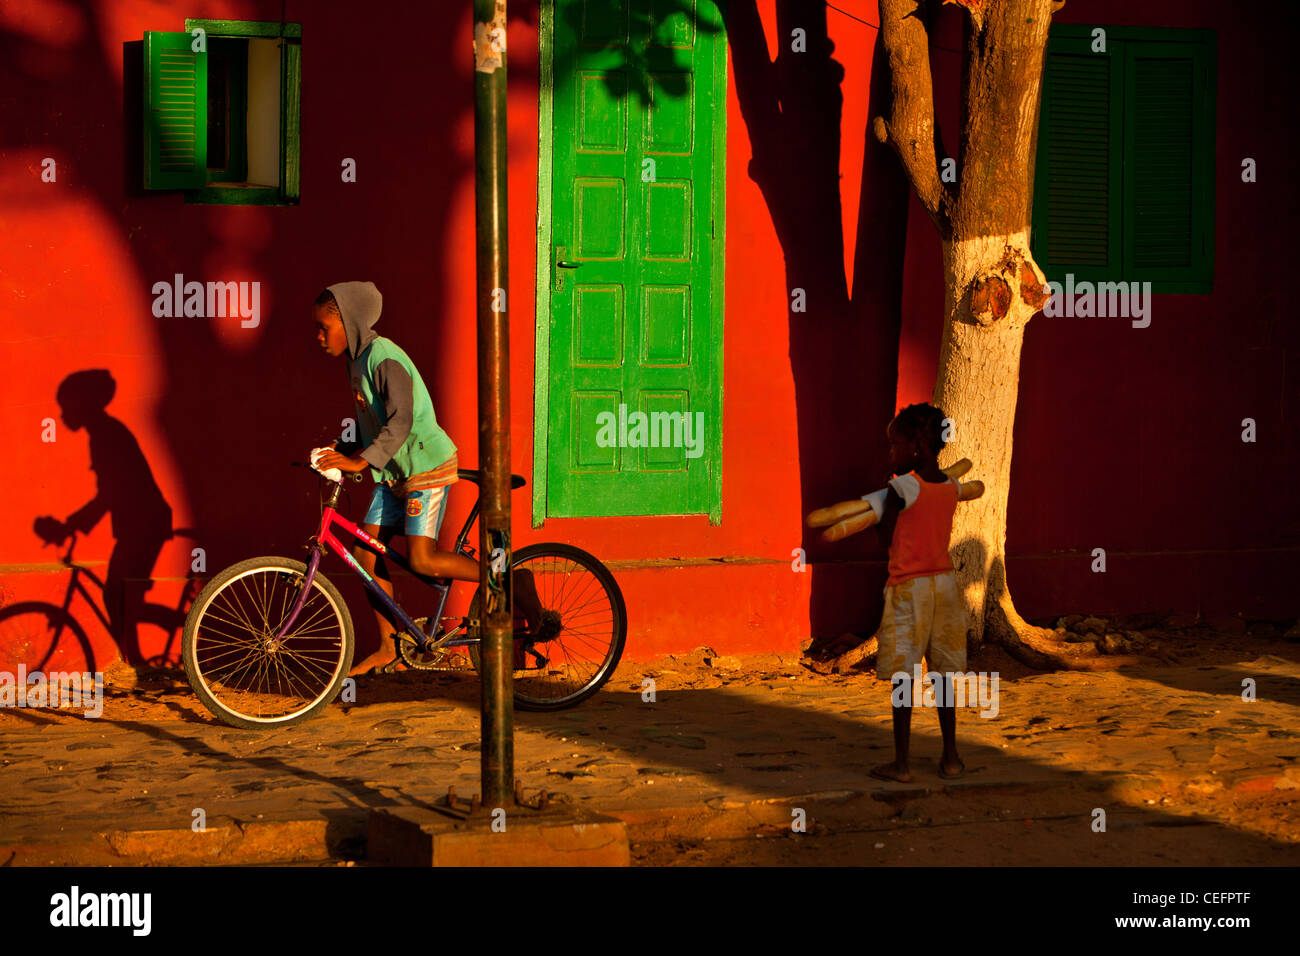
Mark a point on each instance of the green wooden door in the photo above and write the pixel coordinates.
(633, 373)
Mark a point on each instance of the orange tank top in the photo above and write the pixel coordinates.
(920, 545)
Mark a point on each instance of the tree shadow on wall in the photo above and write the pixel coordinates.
(844, 344)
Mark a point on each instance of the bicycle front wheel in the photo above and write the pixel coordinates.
(240, 670)
(45, 637)
(579, 652)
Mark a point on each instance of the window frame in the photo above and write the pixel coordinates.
(287, 192)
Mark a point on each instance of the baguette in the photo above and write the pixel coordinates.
(847, 518)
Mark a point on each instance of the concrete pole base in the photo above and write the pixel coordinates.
(510, 836)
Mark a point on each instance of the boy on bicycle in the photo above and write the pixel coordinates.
(411, 458)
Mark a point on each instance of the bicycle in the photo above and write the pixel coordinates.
(259, 621)
(60, 636)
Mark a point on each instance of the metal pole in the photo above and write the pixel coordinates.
(496, 627)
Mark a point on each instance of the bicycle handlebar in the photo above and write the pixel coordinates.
(355, 476)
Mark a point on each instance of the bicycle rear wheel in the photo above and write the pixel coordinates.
(582, 656)
(237, 667)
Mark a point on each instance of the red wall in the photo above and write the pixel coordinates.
(1120, 436)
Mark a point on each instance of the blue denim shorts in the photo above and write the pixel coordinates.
(420, 512)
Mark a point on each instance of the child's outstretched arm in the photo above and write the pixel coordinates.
(850, 517)
(88, 515)
(893, 508)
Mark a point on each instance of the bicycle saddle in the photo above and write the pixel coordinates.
(470, 474)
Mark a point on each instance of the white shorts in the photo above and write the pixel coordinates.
(924, 617)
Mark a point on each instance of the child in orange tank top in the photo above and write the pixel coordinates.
(924, 614)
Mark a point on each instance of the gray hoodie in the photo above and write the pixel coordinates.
(359, 306)
(399, 431)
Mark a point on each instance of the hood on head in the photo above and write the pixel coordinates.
(359, 306)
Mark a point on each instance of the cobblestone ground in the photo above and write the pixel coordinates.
(1185, 770)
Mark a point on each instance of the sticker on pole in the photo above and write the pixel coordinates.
(490, 41)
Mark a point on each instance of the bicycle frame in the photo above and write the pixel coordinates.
(325, 539)
(77, 586)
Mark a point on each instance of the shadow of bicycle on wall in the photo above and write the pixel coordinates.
(53, 637)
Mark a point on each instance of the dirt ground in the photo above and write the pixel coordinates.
(1189, 832)
(1200, 825)
(711, 772)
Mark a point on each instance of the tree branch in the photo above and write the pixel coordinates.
(910, 129)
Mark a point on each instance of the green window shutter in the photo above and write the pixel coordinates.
(1077, 188)
(175, 112)
(1124, 179)
(1168, 169)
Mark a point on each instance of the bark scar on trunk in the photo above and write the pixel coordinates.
(990, 299)
(994, 290)
(1033, 286)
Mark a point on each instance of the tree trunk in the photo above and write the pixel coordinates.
(979, 377)
(992, 286)
(992, 289)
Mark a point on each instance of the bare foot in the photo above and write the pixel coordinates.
(526, 599)
(951, 767)
(892, 771)
(376, 659)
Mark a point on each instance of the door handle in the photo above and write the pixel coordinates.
(561, 263)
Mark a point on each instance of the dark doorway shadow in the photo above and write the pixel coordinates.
(844, 342)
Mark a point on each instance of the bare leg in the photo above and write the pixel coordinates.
(377, 568)
(898, 770)
(950, 764)
(427, 560)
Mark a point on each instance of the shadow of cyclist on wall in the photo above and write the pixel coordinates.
(125, 488)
